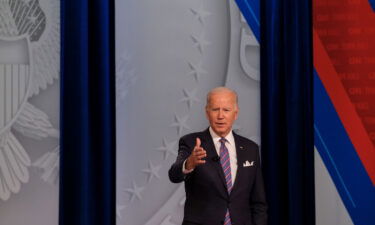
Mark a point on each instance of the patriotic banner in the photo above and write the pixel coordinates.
(169, 55)
(344, 61)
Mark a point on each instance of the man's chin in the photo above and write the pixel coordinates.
(221, 131)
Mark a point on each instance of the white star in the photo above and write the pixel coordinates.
(196, 70)
(119, 208)
(135, 192)
(32, 19)
(189, 97)
(180, 123)
(200, 42)
(200, 13)
(152, 171)
(168, 148)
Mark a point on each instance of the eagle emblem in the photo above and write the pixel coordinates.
(29, 63)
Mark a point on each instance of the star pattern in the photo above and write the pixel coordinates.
(135, 192)
(200, 13)
(168, 148)
(189, 97)
(200, 42)
(180, 123)
(196, 70)
(152, 171)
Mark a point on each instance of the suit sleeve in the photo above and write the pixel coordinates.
(175, 172)
(258, 202)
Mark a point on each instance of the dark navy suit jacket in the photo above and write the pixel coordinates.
(207, 198)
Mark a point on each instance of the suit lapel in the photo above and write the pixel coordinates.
(213, 158)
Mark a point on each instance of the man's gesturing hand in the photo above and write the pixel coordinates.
(196, 156)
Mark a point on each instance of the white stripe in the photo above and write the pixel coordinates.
(15, 80)
(22, 90)
(2, 96)
(8, 93)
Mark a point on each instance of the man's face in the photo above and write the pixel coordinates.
(221, 112)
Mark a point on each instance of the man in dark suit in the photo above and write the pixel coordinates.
(221, 170)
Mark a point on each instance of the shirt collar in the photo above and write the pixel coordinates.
(216, 138)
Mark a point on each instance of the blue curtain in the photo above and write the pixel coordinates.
(87, 165)
(286, 109)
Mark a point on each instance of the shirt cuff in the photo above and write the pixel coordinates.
(184, 170)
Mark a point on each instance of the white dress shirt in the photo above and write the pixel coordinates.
(231, 146)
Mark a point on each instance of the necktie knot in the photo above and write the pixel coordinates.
(223, 140)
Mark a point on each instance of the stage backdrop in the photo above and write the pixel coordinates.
(169, 55)
(344, 80)
(29, 111)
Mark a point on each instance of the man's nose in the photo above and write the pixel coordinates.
(220, 114)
